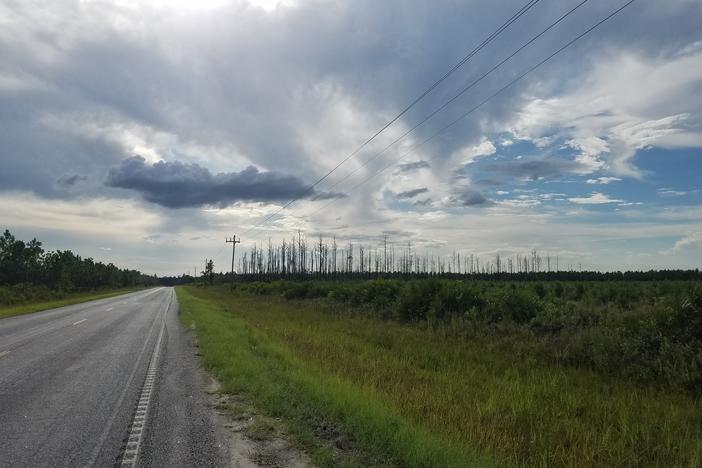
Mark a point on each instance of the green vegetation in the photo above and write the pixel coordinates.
(447, 373)
(32, 279)
(62, 270)
(60, 300)
(646, 331)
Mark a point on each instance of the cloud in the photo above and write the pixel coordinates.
(469, 198)
(590, 150)
(71, 180)
(624, 204)
(692, 240)
(178, 185)
(603, 180)
(536, 168)
(552, 196)
(411, 193)
(612, 112)
(100, 217)
(291, 91)
(520, 202)
(425, 202)
(317, 196)
(469, 154)
(412, 166)
(668, 192)
(596, 198)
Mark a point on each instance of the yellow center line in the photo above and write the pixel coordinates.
(4, 353)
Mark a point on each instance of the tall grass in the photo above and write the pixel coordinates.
(647, 331)
(422, 397)
(311, 400)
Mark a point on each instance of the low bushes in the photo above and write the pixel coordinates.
(648, 331)
(26, 292)
(416, 395)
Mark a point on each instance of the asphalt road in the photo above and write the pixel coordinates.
(113, 382)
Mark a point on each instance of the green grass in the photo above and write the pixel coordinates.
(650, 332)
(70, 299)
(411, 396)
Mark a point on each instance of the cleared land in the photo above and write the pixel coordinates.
(441, 374)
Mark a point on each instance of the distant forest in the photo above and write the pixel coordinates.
(27, 263)
(299, 259)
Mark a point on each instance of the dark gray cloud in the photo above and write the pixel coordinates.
(488, 182)
(327, 196)
(71, 180)
(178, 185)
(265, 83)
(85, 84)
(34, 153)
(411, 193)
(535, 168)
(470, 198)
(410, 167)
(425, 202)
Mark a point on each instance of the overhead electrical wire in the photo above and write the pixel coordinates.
(482, 103)
(460, 93)
(478, 48)
(485, 101)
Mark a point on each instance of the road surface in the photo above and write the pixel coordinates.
(113, 382)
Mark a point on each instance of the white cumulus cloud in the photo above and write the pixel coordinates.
(469, 154)
(603, 180)
(596, 198)
(615, 112)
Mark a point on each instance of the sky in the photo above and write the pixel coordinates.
(144, 133)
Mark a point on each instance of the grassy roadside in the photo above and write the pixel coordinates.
(415, 397)
(71, 299)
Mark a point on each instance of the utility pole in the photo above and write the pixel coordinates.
(233, 241)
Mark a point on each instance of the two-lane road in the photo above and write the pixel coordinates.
(103, 383)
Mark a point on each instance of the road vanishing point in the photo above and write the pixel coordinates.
(113, 382)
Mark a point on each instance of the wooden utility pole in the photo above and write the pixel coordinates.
(233, 241)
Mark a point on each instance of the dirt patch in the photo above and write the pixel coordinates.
(255, 440)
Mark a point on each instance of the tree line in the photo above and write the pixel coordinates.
(28, 263)
(300, 258)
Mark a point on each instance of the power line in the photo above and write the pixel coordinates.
(458, 65)
(482, 103)
(460, 93)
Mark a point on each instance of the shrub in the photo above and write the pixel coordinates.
(452, 299)
(379, 295)
(296, 290)
(27, 292)
(558, 289)
(648, 332)
(540, 290)
(415, 300)
(514, 304)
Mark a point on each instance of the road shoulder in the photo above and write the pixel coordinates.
(188, 432)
